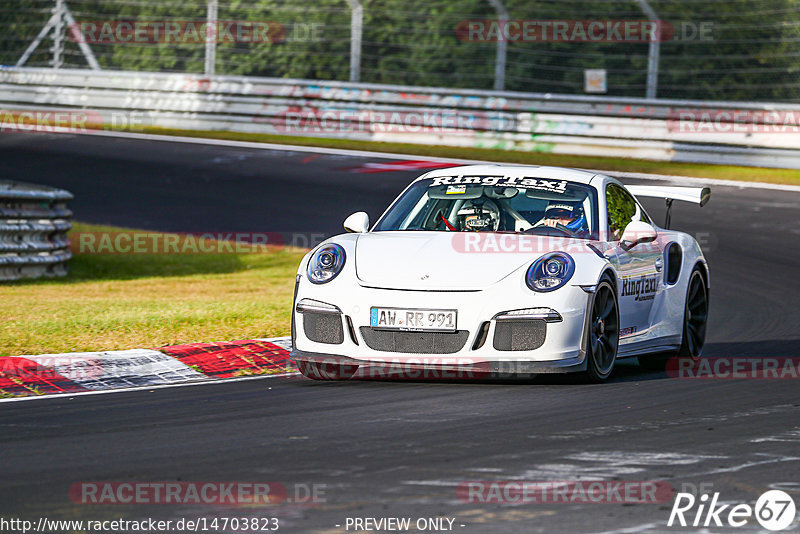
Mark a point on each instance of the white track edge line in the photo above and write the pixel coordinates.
(140, 388)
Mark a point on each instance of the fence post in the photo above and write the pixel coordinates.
(356, 29)
(502, 46)
(58, 35)
(211, 37)
(39, 38)
(61, 14)
(654, 50)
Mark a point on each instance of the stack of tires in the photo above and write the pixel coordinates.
(34, 221)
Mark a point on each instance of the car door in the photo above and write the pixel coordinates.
(639, 268)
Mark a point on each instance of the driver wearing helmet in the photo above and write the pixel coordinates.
(480, 214)
(565, 214)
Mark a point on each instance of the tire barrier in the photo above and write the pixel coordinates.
(34, 221)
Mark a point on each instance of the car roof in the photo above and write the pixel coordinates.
(518, 171)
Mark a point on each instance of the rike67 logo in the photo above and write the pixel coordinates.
(774, 510)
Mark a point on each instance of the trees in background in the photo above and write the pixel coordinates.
(721, 50)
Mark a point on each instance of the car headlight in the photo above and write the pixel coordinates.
(550, 272)
(325, 263)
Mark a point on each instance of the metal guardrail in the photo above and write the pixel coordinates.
(34, 221)
(566, 124)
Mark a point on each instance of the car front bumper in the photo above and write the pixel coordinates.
(330, 366)
(485, 336)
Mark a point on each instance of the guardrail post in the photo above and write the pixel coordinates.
(356, 29)
(502, 47)
(211, 37)
(653, 52)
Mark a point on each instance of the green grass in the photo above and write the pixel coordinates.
(723, 172)
(121, 301)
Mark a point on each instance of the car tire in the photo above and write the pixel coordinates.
(602, 336)
(695, 319)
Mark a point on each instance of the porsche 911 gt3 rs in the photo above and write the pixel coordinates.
(503, 270)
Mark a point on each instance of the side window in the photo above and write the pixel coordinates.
(622, 209)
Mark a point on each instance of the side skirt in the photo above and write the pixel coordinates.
(664, 344)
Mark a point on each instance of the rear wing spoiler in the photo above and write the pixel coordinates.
(696, 195)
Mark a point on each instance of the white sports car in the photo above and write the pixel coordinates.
(494, 270)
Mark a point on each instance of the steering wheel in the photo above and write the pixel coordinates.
(558, 228)
(570, 233)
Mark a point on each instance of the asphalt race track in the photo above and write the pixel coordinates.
(399, 449)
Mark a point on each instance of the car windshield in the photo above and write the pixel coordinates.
(495, 204)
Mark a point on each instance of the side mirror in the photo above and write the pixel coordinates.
(357, 223)
(636, 233)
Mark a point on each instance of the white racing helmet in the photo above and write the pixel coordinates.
(479, 214)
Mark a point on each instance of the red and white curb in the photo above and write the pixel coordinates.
(24, 377)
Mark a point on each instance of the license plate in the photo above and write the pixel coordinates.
(413, 319)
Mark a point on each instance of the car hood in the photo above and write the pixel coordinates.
(447, 260)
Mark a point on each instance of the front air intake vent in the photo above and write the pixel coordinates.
(519, 335)
(414, 342)
(323, 327)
